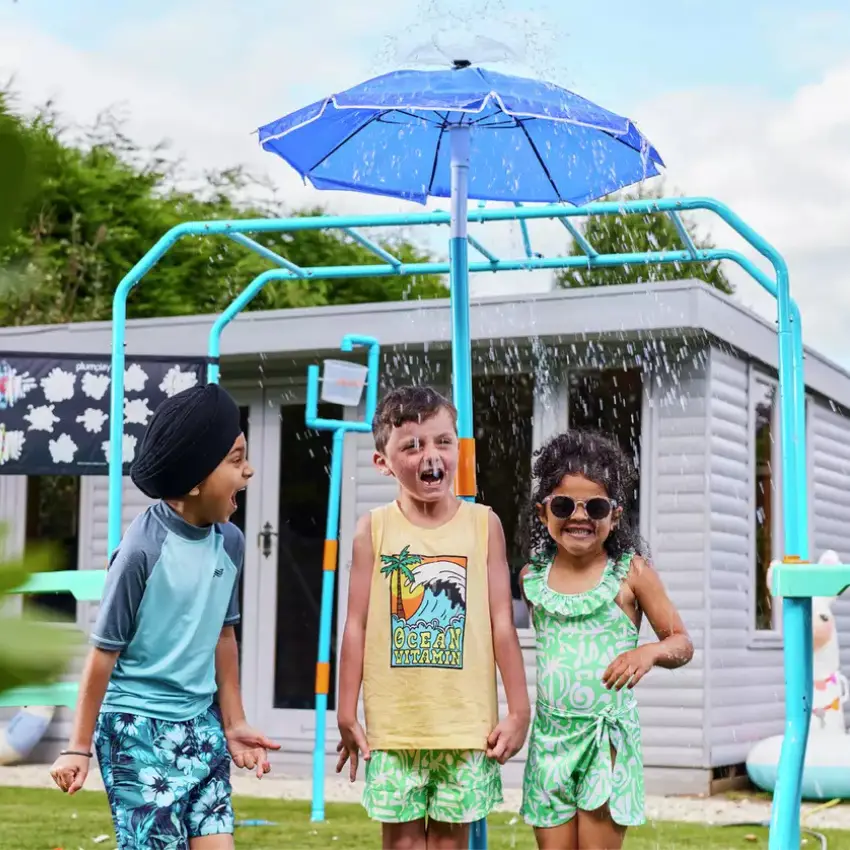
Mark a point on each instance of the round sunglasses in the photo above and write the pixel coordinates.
(563, 507)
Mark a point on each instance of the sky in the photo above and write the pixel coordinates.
(747, 101)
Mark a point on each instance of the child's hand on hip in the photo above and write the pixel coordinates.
(249, 748)
(352, 745)
(69, 772)
(507, 738)
(630, 667)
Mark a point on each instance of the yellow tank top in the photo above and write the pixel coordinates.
(429, 673)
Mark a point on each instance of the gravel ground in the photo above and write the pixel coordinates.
(711, 810)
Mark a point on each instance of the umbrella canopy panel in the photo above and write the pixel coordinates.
(529, 140)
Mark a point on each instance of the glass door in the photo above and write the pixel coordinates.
(296, 462)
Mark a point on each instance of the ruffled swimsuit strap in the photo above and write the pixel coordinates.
(540, 595)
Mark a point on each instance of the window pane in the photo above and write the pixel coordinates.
(610, 401)
(764, 416)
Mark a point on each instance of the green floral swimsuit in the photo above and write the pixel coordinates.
(578, 721)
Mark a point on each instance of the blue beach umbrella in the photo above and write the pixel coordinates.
(465, 132)
(523, 140)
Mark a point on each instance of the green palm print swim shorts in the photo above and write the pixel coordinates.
(452, 786)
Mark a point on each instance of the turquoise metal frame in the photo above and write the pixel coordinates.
(330, 560)
(795, 579)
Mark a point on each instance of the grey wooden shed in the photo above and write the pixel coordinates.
(686, 378)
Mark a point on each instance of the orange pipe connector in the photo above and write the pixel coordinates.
(465, 483)
(323, 677)
(330, 555)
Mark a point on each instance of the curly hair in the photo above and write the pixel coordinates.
(407, 404)
(598, 458)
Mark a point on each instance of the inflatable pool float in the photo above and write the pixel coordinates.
(826, 770)
(23, 732)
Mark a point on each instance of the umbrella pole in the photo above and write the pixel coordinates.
(465, 486)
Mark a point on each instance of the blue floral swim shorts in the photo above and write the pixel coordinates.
(167, 782)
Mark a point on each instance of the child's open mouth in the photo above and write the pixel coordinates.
(233, 496)
(580, 532)
(432, 476)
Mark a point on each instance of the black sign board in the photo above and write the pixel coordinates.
(54, 409)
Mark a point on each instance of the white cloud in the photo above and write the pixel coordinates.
(784, 167)
(205, 75)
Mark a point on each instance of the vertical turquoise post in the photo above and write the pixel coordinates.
(323, 660)
(465, 485)
(330, 556)
(796, 611)
(116, 419)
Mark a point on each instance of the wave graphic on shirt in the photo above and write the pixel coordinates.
(431, 632)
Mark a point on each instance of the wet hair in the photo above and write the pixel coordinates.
(407, 404)
(598, 458)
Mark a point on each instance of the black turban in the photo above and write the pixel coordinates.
(189, 435)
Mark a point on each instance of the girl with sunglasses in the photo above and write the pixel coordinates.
(588, 587)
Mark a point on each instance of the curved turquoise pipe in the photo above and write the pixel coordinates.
(785, 829)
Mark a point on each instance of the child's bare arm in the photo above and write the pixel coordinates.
(522, 574)
(126, 579)
(227, 679)
(353, 647)
(508, 737)
(93, 682)
(674, 647)
(69, 771)
(248, 747)
(354, 635)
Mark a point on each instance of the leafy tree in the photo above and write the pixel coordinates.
(31, 653)
(620, 234)
(94, 207)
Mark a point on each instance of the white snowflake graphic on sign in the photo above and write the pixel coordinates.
(13, 386)
(11, 444)
(41, 418)
(58, 385)
(136, 412)
(128, 448)
(95, 386)
(135, 379)
(176, 380)
(92, 420)
(62, 449)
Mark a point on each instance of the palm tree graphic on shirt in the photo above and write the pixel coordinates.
(398, 567)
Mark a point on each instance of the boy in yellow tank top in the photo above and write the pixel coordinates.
(429, 617)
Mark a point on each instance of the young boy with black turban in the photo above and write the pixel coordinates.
(159, 694)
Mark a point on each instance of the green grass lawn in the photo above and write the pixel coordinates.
(45, 820)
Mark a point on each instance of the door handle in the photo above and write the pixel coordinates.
(264, 539)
